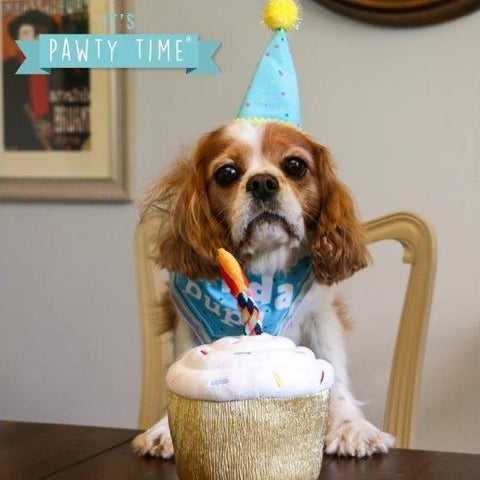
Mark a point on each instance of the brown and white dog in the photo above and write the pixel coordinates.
(270, 195)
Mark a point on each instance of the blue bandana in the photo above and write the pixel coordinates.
(212, 313)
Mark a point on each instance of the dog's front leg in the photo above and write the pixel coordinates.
(156, 441)
(348, 432)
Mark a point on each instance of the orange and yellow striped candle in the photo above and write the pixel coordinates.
(237, 282)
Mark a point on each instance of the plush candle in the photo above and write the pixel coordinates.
(231, 272)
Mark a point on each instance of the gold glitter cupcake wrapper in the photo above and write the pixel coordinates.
(255, 439)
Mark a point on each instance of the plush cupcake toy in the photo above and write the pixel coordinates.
(250, 407)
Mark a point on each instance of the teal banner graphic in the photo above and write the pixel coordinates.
(176, 50)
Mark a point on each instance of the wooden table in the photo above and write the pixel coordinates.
(66, 452)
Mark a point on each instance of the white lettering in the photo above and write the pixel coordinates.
(53, 47)
(82, 54)
(98, 41)
(284, 300)
(112, 46)
(232, 317)
(164, 48)
(66, 51)
(179, 50)
(211, 305)
(139, 43)
(193, 290)
(262, 292)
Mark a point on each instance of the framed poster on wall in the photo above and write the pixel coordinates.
(62, 136)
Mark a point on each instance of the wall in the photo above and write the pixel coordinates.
(399, 110)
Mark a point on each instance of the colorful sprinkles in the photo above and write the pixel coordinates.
(219, 381)
(278, 379)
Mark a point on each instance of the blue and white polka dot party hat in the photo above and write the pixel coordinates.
(273, 92)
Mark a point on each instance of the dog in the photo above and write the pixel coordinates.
(269, 194)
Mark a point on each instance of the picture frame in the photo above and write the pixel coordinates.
(402, 13)
(99, 170)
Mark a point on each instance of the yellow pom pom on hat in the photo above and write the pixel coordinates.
(273, 92)
(281, 14)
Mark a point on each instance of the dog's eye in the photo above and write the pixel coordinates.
(226, 175)
(294, 167)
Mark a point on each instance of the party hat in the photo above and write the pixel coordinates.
(273, 92)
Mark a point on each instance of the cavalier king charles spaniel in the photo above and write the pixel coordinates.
(270, 195)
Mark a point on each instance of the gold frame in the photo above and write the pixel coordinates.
(402, 13)
(113, 187)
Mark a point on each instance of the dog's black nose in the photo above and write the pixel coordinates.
(263, 186)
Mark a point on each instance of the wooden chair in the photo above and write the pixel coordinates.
(418, 241)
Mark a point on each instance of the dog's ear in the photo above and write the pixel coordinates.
(338, 247)
(190, 235)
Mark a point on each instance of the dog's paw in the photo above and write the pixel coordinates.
(155, 442)
(356, 438)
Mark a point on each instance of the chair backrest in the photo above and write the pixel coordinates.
(418, 240)
(419, 250)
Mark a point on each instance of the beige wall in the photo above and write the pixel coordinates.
(400, 111)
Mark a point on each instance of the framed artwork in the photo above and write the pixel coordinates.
(62, 136)
(402, 12)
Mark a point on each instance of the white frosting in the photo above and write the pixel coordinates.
(238, 368)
